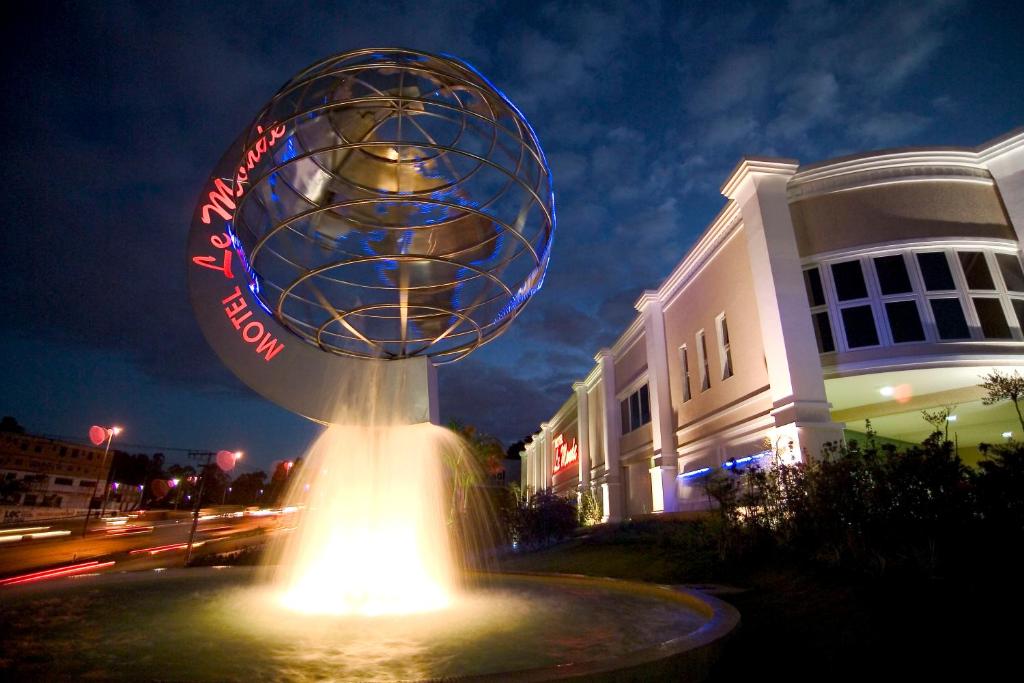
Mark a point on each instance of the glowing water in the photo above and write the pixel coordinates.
(373, 534)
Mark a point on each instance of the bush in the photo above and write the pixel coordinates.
(875, 509)
(540, 519)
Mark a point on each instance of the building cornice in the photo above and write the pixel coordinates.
(629, 337)
(880, 169)
(958, 164)
(716, 234)
(1004, 144)
(749, 167)
(648, 297)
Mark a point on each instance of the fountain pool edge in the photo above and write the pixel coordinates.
(684, 656)
(687, 657)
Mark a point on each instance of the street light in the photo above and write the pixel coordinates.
(98, 435)
(225, 460)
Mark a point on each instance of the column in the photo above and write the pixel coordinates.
(800, 407)
(611, 489)
(534, 464)
(664, 464)
(583, 436)
(524, 469)
(547, 454)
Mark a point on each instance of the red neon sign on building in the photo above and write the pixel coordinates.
(565, 454)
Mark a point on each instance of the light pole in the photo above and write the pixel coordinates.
(225, 460)
(97, 435)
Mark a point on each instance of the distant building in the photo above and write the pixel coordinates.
(870, 287)
(40, 472)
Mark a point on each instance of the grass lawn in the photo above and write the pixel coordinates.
(804, 621)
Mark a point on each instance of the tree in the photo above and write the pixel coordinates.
(10, 425)
(245, 489)
(999, 387)
(939, 420)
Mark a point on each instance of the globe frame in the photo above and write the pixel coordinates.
(348, 330)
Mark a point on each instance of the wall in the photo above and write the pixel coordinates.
(725, 284)
(901, 211)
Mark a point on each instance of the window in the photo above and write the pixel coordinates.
(819, 311)
(702, 361)
(63, 481)
(823, 332)
(990, 315)
(976, 270)
(684, 362)
(1013, 277)
(1018, 308)
(815, 292)
(859, 323)
(63, 450)
(636, 410)
(85, 483)
(724, 353)
(904, 321)
(949, 319)
(892, 275)
(849, 280)
(935, 271)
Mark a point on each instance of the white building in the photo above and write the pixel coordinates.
(870, 287)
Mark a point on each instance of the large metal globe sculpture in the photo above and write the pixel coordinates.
(393, 203)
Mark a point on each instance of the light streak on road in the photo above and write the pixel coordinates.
(67, 570)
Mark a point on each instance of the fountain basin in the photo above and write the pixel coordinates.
(220, 624)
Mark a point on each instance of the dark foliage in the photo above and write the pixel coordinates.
(876, 509)
(539, 520)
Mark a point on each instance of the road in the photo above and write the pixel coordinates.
(148, 541)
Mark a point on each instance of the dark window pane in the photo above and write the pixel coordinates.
(634, 411)
(892, 274)
(949, 319)
(1018, 308)
(1009, 265)
(823, 333)
(935, 271)
(904, 321)
(993, 322)
(645, 405)
(849, 280)
(624, 406)
(860, 327)
(685, 356)
(815, 293)
(976, 270)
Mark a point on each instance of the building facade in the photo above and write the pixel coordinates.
(823, 300)
(48, 473)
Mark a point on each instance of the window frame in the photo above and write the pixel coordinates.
(724, 347)
(922, 298)
(684, 365)
(703, 367)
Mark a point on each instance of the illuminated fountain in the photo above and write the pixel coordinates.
(392, 211)
(388, 211)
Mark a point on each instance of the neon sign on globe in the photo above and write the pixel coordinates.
(566, 453)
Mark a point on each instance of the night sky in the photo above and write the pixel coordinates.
(114, 114)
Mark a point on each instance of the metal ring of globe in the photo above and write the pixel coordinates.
(417, 177)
